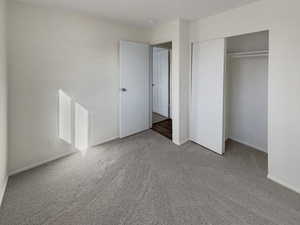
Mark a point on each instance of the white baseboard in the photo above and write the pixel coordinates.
(176, 142)
(184, 141)
(2, 190)
(284, 184)
(245, 143)
(14, 172)
(105, 141)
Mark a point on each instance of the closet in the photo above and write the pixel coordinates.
(247, 90)
(229, 97)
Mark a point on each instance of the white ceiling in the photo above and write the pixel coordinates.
(146, 12)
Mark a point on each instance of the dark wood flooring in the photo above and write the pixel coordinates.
(164, 128)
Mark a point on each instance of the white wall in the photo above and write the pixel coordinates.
(81, 125)
(184, 84)
(248, 101)
(282, 18)
(248, 42)
(3, 102)
(50, 49)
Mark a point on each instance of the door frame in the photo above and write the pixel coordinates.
(172, 88)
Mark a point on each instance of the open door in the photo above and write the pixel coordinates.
(161, 81)
(207, 106)
(134, 88)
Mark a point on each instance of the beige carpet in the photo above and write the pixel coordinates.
(147, 180)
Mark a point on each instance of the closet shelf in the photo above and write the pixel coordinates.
(248, 54)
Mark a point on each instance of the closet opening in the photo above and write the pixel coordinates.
(160, 81)
(246, 92)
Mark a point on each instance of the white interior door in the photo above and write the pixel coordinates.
(207, 120)
(155, 81)
(134, 88)
(161, 81)
(163, 90)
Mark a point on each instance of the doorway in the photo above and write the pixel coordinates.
(161, 89)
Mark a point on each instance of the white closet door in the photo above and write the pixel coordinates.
(134, 81)
(207, 122)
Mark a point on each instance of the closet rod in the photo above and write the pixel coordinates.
(249, 54)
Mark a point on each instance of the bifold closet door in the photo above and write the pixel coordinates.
(207, 120)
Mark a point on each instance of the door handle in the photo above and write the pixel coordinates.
(123, 89)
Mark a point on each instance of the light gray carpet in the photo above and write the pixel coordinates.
(147, 180)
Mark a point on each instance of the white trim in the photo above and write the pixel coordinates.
(161, 41)
(14, 172)
(175, 142)
(53, 159)
(181, 142)
(105, 141)
(284, 184)
(184, 141)
(245, 143)
(2, 190)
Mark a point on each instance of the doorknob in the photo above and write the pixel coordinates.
(123, 89)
